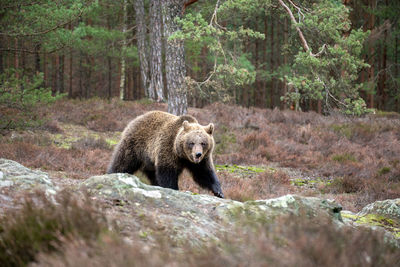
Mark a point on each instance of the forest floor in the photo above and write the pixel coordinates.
(259, 153)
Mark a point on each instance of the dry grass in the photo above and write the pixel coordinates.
(42, 226)
(289, 241)
(78, 163)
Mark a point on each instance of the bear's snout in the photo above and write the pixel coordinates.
(197, 153)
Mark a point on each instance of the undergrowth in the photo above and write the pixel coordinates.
(75, 233)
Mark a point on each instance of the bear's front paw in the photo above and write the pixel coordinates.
(219, 194)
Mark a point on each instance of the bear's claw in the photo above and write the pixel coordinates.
(219, 194)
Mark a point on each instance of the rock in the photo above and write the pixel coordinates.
(18, 177)
(379, 215)
(389, 208)
(194, 217)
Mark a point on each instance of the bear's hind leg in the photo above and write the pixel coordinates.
(167, 177)
(151, 175)
(124, 163)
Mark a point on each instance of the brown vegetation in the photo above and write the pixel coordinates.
(357, 159)
(74, 233)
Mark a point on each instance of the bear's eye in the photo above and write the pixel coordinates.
(191, 144)
(203, 144)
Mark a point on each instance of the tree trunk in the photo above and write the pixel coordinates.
(16, 59)
(371, 71)
(37, 59)
(265, 84)
(80, 75)
(142, 47)
(54, 81)
(156, 82)
(383, 71)
(271, 34)
(61, 69)
(109, 84)
(123, 50)
(285, 58)
(396, 71)
(174, 58)
(45, 71)
(71, 62)
(256, 95)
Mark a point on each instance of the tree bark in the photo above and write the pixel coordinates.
(256, 95)
(61, 69)
(37, 59)
(142, 45)
(16, 59)
(302, 38)
(109, 84)
(396, 71)
(55, 74)
(371, 71)
(285, 58)
(71, 61)
(45, 70)
(156, 82)
(174, 58)
(271, 34)
(123, 50)
(383, 71)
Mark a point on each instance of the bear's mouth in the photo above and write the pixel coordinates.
(196, 159)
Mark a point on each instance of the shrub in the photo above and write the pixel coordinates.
(41, 226)
(18, 96)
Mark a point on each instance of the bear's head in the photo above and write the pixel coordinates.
(194, 142)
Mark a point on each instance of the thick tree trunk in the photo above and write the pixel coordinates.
(174, 58)
(142, 45)
(156, 82)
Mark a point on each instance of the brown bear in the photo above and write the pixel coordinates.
(162, 145)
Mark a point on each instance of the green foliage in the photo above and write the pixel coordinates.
(345, 157)
(19, 95)
(231, 69)
(329, 71)
(384, 170)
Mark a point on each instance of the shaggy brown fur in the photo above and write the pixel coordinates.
(162, 145)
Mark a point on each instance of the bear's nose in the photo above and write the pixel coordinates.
(198, 154)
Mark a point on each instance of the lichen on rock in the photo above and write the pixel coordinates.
(13, 174)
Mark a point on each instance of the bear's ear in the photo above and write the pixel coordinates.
(186, 125)
(209, 128)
